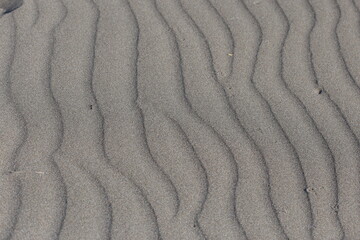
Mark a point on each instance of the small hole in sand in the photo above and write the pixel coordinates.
(318, 90)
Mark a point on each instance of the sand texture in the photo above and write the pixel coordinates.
(180, 120)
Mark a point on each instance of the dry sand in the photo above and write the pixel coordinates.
(180, 119)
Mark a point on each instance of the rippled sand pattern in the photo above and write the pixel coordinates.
(180, 120)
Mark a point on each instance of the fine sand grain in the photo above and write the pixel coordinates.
(180, 119)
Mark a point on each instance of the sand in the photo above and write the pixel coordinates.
(180, 119)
